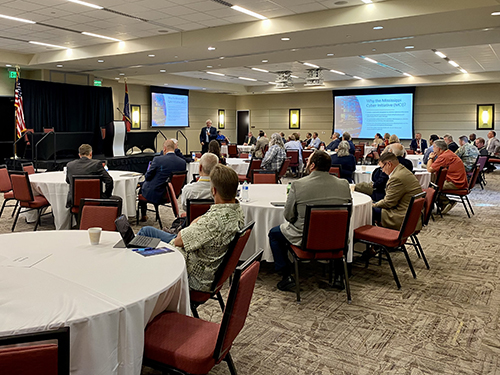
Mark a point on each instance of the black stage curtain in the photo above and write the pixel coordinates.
(67, 108)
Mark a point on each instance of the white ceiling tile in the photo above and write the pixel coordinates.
(214, 22)
(197, 17)
(177, 10)
(24, 5)
(190, 26)
(305, 8)
(203, 6)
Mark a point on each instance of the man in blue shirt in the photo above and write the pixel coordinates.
(430, 149)
(334, 144)
(315, 141)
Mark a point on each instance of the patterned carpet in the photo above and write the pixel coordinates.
(444, 322)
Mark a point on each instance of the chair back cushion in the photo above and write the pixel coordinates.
(294, 155)
(5, 184)
(413, 215)
(173, 199)
(232, 150)
(197, 207)
(99, 216)
(264, 177)
(177, 179)
(441, 178)
(318, 221)
(254, 164)
(86, 187)
(236, 310)
(29, 168)
(482, 161)
(21, 186)
(25, 360)
(475, 175)
(335, 171)
(284, 167)
(430, 196)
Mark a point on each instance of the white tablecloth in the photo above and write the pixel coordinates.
(422, 175)
(415, 159)
(241, 148)
(369, 149)
(267, 216)
(239, 165)
(105, 295)
(53, 186)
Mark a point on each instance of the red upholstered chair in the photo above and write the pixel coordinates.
(224, 271)
(254, 164)
(232, 151)
(440, 180)
(336, 170)
(99, 213)
(243, 156)
(481, 160)
(173, 200)
(22, 192)
(360, 147)
(294, 158)
(430, 199)
(28, 167)
(48, 130)
(409, 151)
(390, 240)
(195, 346)
(85, 186)
(196, 208)
(359, 156)
(266, 148)
(305, 156)
(261, 176)
(283, 169)
(178, 180)
(320, 242)
(41, 357)
(6, 189)
(463, 193)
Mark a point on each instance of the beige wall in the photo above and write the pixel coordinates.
(438, 109)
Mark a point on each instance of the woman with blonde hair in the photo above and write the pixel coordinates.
(276, 154)
(393, 139)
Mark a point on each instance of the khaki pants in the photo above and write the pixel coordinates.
(443, 199)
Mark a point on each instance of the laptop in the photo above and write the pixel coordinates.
(130, 239)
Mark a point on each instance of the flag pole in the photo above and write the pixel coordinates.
(15, 115)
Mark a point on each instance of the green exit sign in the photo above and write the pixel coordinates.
(97, 82)
(12, 74)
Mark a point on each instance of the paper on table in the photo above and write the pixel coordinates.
(25, 260)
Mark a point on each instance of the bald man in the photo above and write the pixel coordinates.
(154, 186)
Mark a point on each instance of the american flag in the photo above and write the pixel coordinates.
(18, 103)
(126, 110)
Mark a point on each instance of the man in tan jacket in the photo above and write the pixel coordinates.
(401, 186)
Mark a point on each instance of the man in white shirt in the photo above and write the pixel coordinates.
(201, 188)
(315, 142)
(493, 144)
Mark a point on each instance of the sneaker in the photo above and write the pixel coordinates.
(144, 219)
(287, 284)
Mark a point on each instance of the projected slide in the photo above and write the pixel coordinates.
(365, 115)
(169, 110)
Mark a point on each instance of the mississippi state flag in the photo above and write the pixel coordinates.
(18, 103)
(126, 110)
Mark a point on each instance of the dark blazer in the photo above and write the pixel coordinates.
(483, 152)
(86, 166)
(423, 145)
(212, 134)
(348, 164)
(407, 163)
(333, 145)
(453, 147)
(153, 188)
(250, 141)
(352, 149)
(379, 180)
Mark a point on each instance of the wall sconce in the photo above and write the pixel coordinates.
(222, 118)
(136, 116)
(294, 119)
(485, 115)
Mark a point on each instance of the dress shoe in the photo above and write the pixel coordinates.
(286, 284)
(144, 219)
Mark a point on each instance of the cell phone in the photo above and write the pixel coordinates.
(278, 204)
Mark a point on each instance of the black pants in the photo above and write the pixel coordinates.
(204, 148)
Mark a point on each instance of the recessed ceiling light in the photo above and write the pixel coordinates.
(294, 49)
(370, 60)
(463, 70)
(357, 77)
(122, 74)
(86, 4)
(8, 65)
(311, 65)
(165, 84)
(47, 44)
(117, 78)
(453, 63)
(204, 88)
(211, 48)
(337, 72)
(407, 74)
(59, 65)
(440, 54)
(495, 14)
(378, 27)
(101, 36)
(221, 58)
(285, 39)
(294, 76)
(329, 54)
(16, 19)
(264, 61)
(209, 66)
(249, 12)
(247, 79)
(272, 83)
(261, 70)
(216, 74)
(162, 70)
(151, 55)
(367, 1)
(410, 47)
(100, 61)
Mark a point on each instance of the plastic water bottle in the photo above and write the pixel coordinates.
(288, 188)
(419, 166)
(244, 192)
(193, 156)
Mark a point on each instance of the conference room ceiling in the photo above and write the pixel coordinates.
(167, 42)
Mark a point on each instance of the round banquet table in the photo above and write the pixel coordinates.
(415, 159)
(239, 165)
(267, 216)
(241, 148)
(53, 186)
(422, 175)
(369, 149)
(105, 295)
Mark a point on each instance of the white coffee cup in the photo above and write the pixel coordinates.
(95, 235)
(363, 168)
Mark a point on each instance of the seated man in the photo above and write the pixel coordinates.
(375, 188)
(429, 149)
(205, 242)
(401, 186)
(480, 144)
(295, 144)
(418, 144)
(86, 166)
(154, 186)
(249, 140)
(452, 146)
(201, 188)
(334, 144)
(398, 150)
(347, 137)
(456, 177)
(315, 142)
(261, 144)
(318, 187)
(467, 152)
